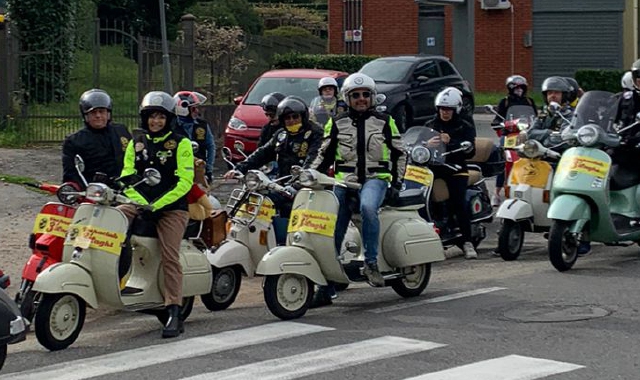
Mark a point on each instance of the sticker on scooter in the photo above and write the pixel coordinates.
(530, 172)
(418, 174)
(51, 224)
(97, 238)
(511, 141)
(585, 165)
(318, 222)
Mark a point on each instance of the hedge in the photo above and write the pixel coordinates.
(598, 79)
(340, 62)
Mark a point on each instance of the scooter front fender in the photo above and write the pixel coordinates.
(67, 278)
(232, 253)
(291, 259)
(516, 210)
(569, 207)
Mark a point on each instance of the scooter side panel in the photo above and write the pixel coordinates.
(232, 253)
(583, 171)
(67, 278)
(515, 209)
(408, 241)
(569, 207)
(291, 259)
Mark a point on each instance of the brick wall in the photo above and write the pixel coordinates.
(389, 27)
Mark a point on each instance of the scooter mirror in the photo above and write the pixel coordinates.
(226, 156)
(151, 176)
(195, 146)
(467, 146)
(239, 146)
(269, 168)
(296, 170)
(488, 108)
(554, 107)
(79, 163)
(638, 116)
(380, 98)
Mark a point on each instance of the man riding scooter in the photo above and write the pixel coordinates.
(364, 142)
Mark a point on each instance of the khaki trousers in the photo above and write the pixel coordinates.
(170, 227)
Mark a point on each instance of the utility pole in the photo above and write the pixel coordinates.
(166, 63)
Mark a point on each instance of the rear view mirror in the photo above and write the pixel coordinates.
(195, 146)
(237, 100)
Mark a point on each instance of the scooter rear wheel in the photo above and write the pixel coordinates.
(415, 281)
(59, 319)
(563, 248)
(288, 296)
(510, 240)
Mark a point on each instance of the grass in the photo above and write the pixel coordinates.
(15, 179)
(494, 98)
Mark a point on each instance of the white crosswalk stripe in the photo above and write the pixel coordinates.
(512, 367)
(450, 297)
(332, 358)
(327, 359)
(163, 353)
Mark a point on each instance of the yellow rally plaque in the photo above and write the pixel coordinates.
(96, 238)
(511, 140)
(318, 222)
(51, 224)
(418, 174)
(585, 165)
(530, 172)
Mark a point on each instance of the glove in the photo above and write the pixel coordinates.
(291, 190)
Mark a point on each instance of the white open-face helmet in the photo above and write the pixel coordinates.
(627, 81)
(328, 81)
(187, 99)
(450, 97)
(359, 80)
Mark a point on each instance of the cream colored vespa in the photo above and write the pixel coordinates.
(408, 246)
(88, 274)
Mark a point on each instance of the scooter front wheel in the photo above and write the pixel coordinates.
(510, 240)
(288, 295)
(415, 280)
(563, 247)
(59, 319)
(224, 288)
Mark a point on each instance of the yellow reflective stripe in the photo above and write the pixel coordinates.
(327, 128)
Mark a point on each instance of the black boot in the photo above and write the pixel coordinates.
(174, 326)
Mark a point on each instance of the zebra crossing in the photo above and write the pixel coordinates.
(332, 358)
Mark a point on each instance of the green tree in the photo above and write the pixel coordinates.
(228, 13)
(143, 15)
(46, 31)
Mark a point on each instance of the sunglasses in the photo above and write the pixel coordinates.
(357, 95)
(447, 108)
(291, 116)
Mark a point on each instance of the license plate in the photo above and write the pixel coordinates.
(518, 194)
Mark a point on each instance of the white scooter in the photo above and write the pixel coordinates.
(408, 246)
(88, 273)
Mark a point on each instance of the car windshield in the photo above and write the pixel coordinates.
(387, 71)
(306, 88)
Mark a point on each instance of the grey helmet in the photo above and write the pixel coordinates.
(93, 99)
(293, 104)
(556, 83)
(157, 101)
(270, 101)
(573, 91)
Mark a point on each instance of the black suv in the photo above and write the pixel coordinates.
(411, 83)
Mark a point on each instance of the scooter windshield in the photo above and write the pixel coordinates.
(420, 135)
(595, 107)
(318, 110)
(524, 114)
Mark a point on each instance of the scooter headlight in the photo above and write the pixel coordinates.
(531, 149)
(420, 154)
(97, 192)
(251, 181)
(587, 135)
(307, 179)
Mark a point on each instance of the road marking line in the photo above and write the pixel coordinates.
(162, 353)
(511, 367)
(324, 360)
(450, 297)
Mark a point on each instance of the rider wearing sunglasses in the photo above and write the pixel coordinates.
(269, 105)
(296, 143)
(367, 144)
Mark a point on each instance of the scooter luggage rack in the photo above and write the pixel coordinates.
(242, 203)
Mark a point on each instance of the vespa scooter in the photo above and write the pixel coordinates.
(408, 246)
(590, 196)
(13, 327)
(88, 274)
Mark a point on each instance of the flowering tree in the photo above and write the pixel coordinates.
(222, 47)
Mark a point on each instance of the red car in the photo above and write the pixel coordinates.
(247, 120)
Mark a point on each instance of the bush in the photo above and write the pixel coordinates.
(597, 79)
(340, 62)
(289, 31)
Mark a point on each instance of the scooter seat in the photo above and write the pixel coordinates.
(623, 178)
(474, 176)
(408, 197)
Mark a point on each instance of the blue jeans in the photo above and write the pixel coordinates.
(369, 199)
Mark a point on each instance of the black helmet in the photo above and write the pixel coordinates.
(556, 84)
(270, 102)
(157, 101)
(517, 81)
(573, 92)
(292, 104)
(635, 72)
(93, 99)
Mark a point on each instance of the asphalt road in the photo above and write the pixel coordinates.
(482, 319)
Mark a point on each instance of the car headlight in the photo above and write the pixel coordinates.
(307, 179)
(251, 181)
(420, 154)
(587, 135)
(530, 149)
(237, 124)
(97, 192)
